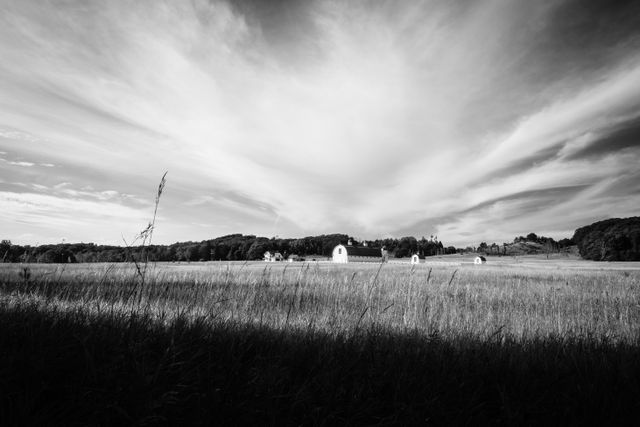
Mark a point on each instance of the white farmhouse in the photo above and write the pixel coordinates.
(415, 259)
(272, 257)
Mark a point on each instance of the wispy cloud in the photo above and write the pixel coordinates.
(469, 120)
(26, 164)
(23, 164)
(49, 215)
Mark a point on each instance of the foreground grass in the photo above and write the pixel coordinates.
(318, 345)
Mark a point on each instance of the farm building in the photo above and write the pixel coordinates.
(415, 259)
(272, 257)
(480, 260)
(294, 257)
(344, 254)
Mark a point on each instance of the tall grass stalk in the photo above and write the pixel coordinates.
(145, 238)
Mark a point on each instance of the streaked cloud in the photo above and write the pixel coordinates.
(50, 217)
(23, 164)
(470, 120)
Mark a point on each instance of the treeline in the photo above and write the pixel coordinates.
(226, 248)
(616, 239)
(407, 246)
(529, 244)
(545, 241)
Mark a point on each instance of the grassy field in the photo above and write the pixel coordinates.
(516, 341)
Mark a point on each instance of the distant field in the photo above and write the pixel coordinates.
(516, 340)
(553, 261)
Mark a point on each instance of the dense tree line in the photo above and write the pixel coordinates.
(542, 245)
(409, 245)
(226, 248)
(616, 239)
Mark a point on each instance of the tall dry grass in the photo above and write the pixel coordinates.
(513, 303)
(317, 344)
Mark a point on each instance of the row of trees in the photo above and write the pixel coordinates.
(227, 248)
(531, 244)
(610, 240)
(616, 239)
(407, 246)
(533, 237)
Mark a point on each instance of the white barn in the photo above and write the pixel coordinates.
(480, 260)
(344, 254)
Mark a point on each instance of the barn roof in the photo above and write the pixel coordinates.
(364, 251)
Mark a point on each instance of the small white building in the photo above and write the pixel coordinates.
(344, 254)
(272, 257)
(415, 259)
(480, 260)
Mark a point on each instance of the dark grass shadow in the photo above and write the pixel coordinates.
(65, 368)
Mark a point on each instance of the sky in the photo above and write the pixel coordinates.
(469, 120)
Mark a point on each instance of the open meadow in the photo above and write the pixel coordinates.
(517, 340)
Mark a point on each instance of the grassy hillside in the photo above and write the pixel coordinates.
(532, 248)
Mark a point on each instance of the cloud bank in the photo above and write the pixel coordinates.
(468, 120)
